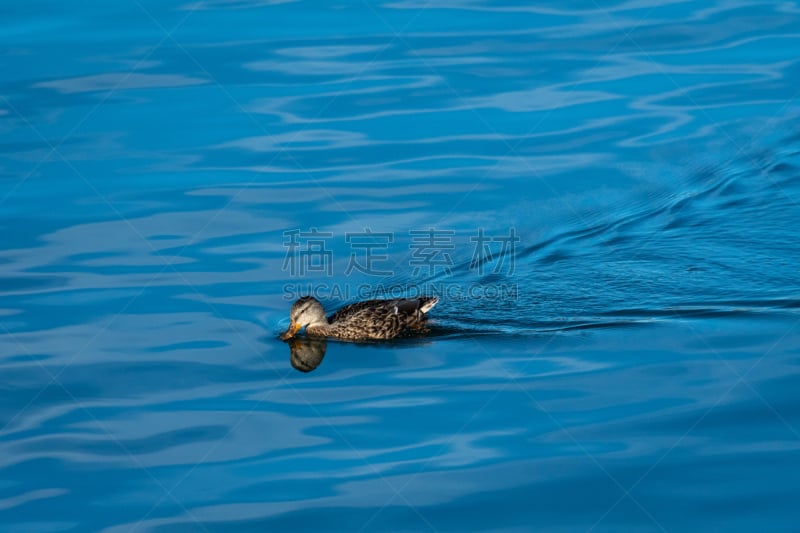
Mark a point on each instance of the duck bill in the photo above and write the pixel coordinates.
(291, 332)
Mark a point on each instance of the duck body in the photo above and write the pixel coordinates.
(361, 321)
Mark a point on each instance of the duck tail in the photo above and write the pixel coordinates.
(426, 304)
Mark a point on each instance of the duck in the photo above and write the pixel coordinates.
(361, 321)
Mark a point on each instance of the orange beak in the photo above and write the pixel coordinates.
(291, 332)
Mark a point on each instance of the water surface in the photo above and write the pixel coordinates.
(628, 361)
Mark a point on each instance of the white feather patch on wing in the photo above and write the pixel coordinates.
(429, 305)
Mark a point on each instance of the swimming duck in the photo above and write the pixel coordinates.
(368, 320)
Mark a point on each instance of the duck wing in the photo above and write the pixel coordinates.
(380, 319)
(351, 310)
(397, 306)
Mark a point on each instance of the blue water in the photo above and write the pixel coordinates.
(621, 351)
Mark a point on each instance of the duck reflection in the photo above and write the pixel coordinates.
(307, 354)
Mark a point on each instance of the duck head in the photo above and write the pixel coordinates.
(305, 311)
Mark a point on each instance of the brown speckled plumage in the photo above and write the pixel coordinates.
(368, 320)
